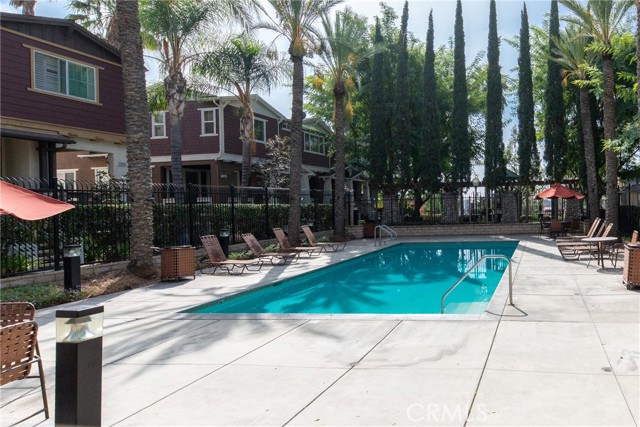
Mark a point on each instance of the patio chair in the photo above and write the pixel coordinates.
(218, 260)
(276, 258)
(618, 248)
(17, 312)
(285, 246)
(555, 228)
(324, 246)
(18, 350)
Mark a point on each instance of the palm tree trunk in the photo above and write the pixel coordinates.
(295, 168)
(611, 158)
(138, 147)
(589, 155)
(338, 206)
(247, 134)
(176, 86)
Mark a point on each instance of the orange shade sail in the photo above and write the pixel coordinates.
(559, 191)
(27, 204)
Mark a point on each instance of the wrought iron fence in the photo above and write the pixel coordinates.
(472, 208)
(100, 223)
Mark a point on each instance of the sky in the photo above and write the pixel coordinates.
(475, 17)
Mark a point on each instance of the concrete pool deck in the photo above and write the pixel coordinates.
(566, 354)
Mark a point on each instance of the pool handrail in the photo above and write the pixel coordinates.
(377, 234)
(464, 276)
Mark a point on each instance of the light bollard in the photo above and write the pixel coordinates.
(79, 366)
(71, 265)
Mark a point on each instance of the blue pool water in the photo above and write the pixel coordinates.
(402, 279)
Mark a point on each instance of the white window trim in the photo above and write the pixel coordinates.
(154, 123)
(67, 61)
(215, 121)
(97, 169)
(324, 143)
(265, 129)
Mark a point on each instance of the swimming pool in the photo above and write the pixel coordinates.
(407, 278)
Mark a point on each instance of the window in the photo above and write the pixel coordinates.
(101, 173)
(57, 75)
(67, 178)
(260, 130)
(158, 125)
(313, 143)
(208, 121)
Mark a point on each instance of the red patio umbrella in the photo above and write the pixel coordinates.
(27, 204)
(559, 191)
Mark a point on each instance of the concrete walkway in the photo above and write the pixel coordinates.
(566, 355)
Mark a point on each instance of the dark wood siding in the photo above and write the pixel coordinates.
(192, 142)
(315, 159)
(232, 142)
(64, 35)
(19, 102)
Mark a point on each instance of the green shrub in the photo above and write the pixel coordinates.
(40, 295)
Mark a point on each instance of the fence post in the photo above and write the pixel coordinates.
(187, 195)
(53, 184)
(234, 227)
(266, 211)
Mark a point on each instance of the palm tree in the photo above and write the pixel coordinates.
(600, 20)
(573, 56)
(294, 20)
(242, 66)
(28, 6)
(177, 29)
(341, 51)
(137, 129)
(98, 16)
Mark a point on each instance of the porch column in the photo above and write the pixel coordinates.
(305, 189)
(327, 191)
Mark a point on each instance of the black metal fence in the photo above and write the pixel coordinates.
(100, 222)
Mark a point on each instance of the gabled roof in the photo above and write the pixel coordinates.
(257, 99)
(42, 20)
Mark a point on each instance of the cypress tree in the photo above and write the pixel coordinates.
(527, 150)
(494, 163)
(402, 114)
(460, 142)
(431, 150)
(377, 145)
(554, 119)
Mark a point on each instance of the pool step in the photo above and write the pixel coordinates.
(465, 307)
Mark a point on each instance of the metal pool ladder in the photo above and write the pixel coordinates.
(377, 234)
(464, 276)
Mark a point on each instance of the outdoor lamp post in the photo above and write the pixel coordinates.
(223, 237)
(79, 366)
(475, 182)
(71, 264)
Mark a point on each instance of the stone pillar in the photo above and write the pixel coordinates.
(450, 213)
(572, 209)
(509, 207)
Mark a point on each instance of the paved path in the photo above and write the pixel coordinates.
(567, 354)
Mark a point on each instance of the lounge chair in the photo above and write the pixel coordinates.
(324, 246)
(595, 227)
(285, 246)
(276, 258)
(574, 250)
(18, 343)
(218, 259)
